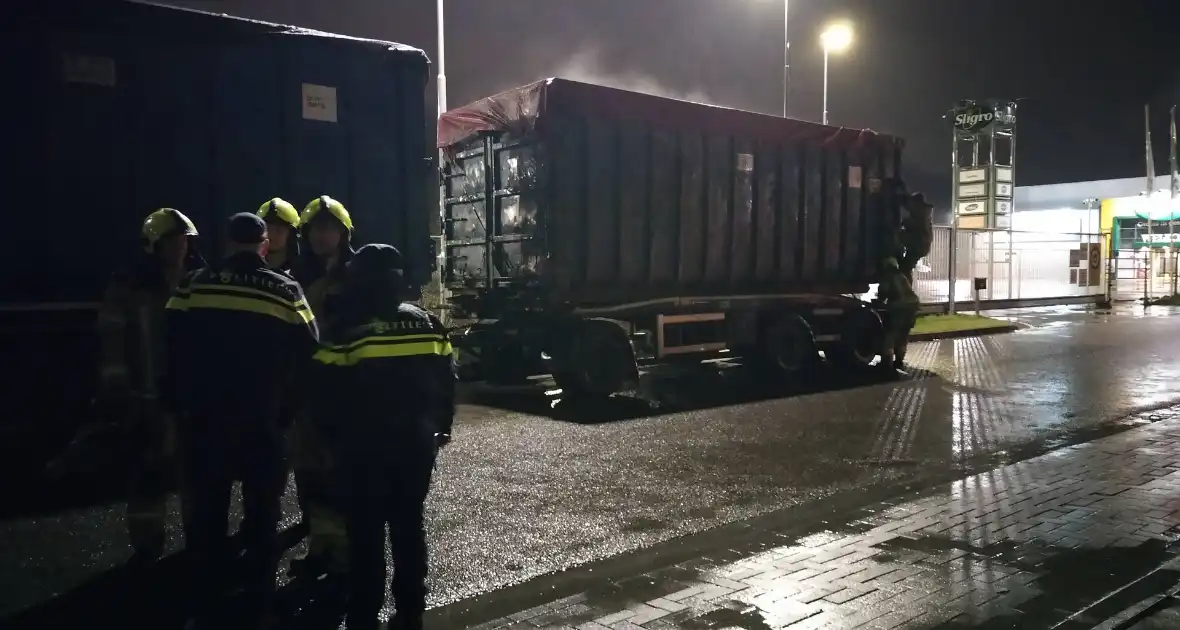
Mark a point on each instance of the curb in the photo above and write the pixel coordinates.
(973, 332)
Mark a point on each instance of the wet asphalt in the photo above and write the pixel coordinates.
(533, 484)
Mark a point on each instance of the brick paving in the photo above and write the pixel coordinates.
(1025, 545)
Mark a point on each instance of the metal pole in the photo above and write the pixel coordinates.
(442, 59)
(786, 57)
(1011, 272)
(991, 200)
(442, 188)
(1149, 249)
(825, 118)
(952, 272)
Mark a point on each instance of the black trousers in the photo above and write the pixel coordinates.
(389, 488)
(210, 470)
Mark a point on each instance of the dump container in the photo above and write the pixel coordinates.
(126, 107)
(585, 195)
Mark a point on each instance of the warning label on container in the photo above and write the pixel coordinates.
(745, 162)
(88, 69)
(319, 102)
(854, 177)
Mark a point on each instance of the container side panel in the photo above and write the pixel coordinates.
(766, 175)
(516, 220)
(663, 208)
(873, 222)
(634, 195)
(250, 152)
(852, 262)
(320, 155)
(380, 177)
(565, 217)
(718, 233)
(832, 231)
(90, 137)
(693, 227)
(813, 209)
(467, 230)
(742, 252)
(412, 193)
(602, 232)
(790, 204)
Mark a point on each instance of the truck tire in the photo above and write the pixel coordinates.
(598, 361)
(861, 337)
(786, 348)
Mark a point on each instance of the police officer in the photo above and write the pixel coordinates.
(239, 331)
(389, 378)
(326, 235)
(282, 225)
(133, 344)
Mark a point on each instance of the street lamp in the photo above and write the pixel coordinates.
(835, 39)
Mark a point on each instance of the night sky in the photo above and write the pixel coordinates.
(1083, 67)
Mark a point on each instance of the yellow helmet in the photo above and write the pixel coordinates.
(281, 210)
(164, 222)
(335, 208)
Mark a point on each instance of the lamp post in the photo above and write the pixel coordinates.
(786, 55)
(835, 38)
(442, 60)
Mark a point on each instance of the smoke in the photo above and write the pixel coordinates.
(587, 67)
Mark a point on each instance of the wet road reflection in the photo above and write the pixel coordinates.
(1081, 533)
(530, 487)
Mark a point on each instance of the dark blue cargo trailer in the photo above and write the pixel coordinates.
(126, 107)
(129, 107)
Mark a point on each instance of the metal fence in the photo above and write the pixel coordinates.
(1016, 266)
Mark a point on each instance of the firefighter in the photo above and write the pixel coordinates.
(133, 344)
(238, 332)
(325, 251)
(282, 225)
(389, 381)
(917, 237)
(901, 310)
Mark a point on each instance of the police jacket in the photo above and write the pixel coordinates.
(239, 332)
(388, 379)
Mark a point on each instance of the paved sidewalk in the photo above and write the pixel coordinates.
(1026, 545)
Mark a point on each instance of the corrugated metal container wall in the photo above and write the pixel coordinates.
(632, 208)
(128, 107)
(139, 106)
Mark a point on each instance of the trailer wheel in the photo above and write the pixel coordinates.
(861, 339)
(786, 347)
(598, 361)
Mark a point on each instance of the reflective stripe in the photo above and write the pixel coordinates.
(385, 347)
(236, 298)
(296, 305)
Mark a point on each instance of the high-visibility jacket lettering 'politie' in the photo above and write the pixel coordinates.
(243, 330)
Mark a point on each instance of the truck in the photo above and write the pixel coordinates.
(592, 230)
(126, 107)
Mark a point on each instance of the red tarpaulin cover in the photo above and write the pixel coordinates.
(525, 108)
